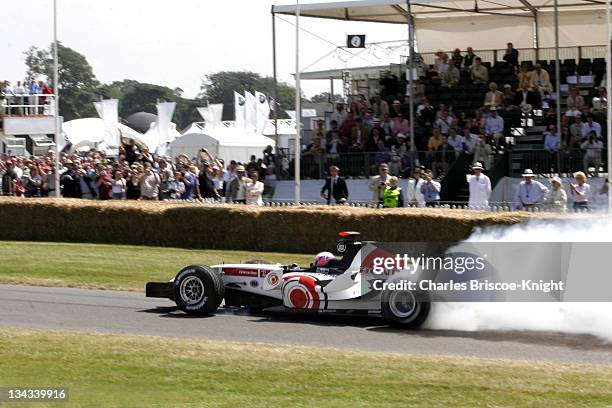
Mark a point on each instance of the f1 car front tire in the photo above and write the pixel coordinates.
(198, 290)
(405, 309)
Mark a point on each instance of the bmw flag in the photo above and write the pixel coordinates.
(355, 41)
(239, 109)
(263, 111)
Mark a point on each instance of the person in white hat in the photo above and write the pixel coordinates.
(530, 193)
(556, 198)
(480, 188)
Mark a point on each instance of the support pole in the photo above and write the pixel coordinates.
(298, 105)
(557, 74)
(56, 93)
(608, 104)
(536, 35)
(275, 95)
(409, 78)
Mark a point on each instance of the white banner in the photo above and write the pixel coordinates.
(165, 111)
(205, 114)
(110, 115)
(239, 109)
(263, 111)
(216, 112)
(98, 106)
(250, 110)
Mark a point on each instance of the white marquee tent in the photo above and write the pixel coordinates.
(86, 133)
(221, 139)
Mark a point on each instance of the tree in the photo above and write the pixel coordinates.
(323, 97)
(77, 82)
(219, 88)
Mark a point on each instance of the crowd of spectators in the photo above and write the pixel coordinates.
(137, 174)
(25, 98)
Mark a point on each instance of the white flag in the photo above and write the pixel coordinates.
(205, 114)
(216, 112)
(110, 115)
(98, 106)
(239, 109)
(165, 111)
(263, 111)
(251, 110)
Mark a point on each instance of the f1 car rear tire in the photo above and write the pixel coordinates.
(405, 309)
(198, 290)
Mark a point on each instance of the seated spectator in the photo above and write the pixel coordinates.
(600, 101)
(509, 97)
(552, 141)
(524, 77)
(493, 98)
(386, 124)
(444, 122)
(430, 190)
(590, 126)
(382, 154)
(469, 140)
(527, 100)
(574, 101)
(347, 126)
(478, 72)
(512, 55)
(441, 65)
(335, 144)
(455, 141)
(435, 140)
(592, 156)
(457, 58)
(400, 125)
(540, 81)
(581, 191)
(494, 126)
(556, 198)
(469, 58)
(396, 108)
(452, 77)
(483, 152)
(380, 107)
(426, 114)
(338, 115)
(359, 136)
(443, 158)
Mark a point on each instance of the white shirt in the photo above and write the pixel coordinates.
(582, 193)
(254, 192)
(413, 193)
(480, 191)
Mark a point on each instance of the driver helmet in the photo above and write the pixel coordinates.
(322, 258)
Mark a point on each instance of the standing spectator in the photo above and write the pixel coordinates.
(444, 122)
(480, 188)
(149, 183)
(339, 115)
(33, 90)
(190, 180)
(206, 185)
(478, 72)
(581, 191)
(556, 198)
(512, 55)
(45, 90)
(414, 194)
(34, 183)
(270, 183)
(254, 190)
(457, 58)
(217, 175)
(236, 192)
(335, 186)
(469, 58)
(176, 188)
(392, 195)
(383, 155)
(452, 76)
(378, 183)
(380, 107)
(21, 98)
(483, 152)
(430, 190)
(8, 179)
(133, 183)
(119, 187)
(70, 181)
(494, 126)
(105, 185)
(530, 193)
(592, 156)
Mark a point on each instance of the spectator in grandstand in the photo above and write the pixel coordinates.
(430, 189)
(400, 125)
(530, 193)
(380, 107)
(335, 187)
(444, 122)
(21, 98)
(590, 126)
(552, 140)
(270, 183)
(457, 58)
(574, 101)
(359, 136)
(33, 89)
(469, 58)
(540, 81)
(509, 97)
(347, 126)
(493, 98)
(452, 77)
(443, 158)
(392, 195)
(119, 187)
(150, 181)
(600, 101)
(254, 190)
(236, 192)
(335, 144)
(527, 99)
(556, 198)
(483, 152)
(386, 124)
(478, 72)
(581, 191)
(524, 77)
(441, 65)
(382, 153)
(426, 114)
(414, 195)
(339, 115)
(480, 188)
(494, 126)
(512, 55)
(592, 156)
(455, 141)
(378, 183)
(469, 140)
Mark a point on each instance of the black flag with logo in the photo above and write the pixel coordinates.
(355, 41)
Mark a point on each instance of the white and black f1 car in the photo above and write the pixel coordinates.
(330, 285)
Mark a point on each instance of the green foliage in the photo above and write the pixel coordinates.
(323, 97)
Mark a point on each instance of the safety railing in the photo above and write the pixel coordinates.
(565, 162)
(27, 105)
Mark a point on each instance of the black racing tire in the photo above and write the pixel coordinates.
(198, 290)
(405, 309)
(258, 261)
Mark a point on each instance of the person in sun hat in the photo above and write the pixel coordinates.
(480, 188)
(238, 187)
(556, 198)
(530, 193)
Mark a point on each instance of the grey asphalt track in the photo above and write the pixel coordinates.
(134, 314)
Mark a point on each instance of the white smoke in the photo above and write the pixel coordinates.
(571, 318)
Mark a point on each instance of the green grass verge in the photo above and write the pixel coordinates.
(111, 370)
(122, 267)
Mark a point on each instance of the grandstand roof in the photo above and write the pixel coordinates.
(504, 20)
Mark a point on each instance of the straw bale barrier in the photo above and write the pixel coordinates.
(187, 225)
